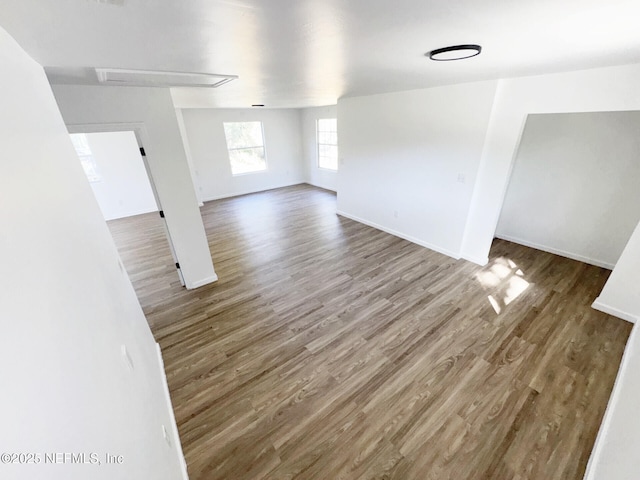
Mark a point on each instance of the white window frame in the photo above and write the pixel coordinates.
(263, 146)
(318, 144)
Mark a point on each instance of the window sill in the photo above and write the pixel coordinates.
(249, 173)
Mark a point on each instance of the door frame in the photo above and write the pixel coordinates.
(140, 132)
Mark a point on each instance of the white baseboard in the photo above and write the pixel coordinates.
(555, 251)
(319, 185)
(409, 238)
(478, 261)
(200, 283)
(616, 312)
(132, 213)
(175, 435)
(247, 192)
(590, 472)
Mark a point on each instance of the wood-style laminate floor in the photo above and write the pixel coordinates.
(331, 350)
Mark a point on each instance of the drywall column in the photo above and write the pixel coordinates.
(79, 367)
(82, 105)
(187, 150)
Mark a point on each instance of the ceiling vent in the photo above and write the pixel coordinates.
(150, 78)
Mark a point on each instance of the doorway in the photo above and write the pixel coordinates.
(115, 165)
(573, 186)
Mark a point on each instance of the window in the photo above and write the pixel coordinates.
(328, 143)
(246, 147)
(83, 150)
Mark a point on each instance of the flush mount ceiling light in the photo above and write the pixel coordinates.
(150, 78)
(456, 52)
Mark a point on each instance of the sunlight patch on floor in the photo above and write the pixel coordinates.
(505, 280)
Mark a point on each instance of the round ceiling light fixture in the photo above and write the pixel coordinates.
(455, 52)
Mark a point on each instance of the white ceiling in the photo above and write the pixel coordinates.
(296, 53)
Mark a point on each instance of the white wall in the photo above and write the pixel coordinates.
(574, 186)
(124, 189)
(207, 144)
(67, 307)
(409, 160)
(314, 175)
(598, 90)
(152, 107)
